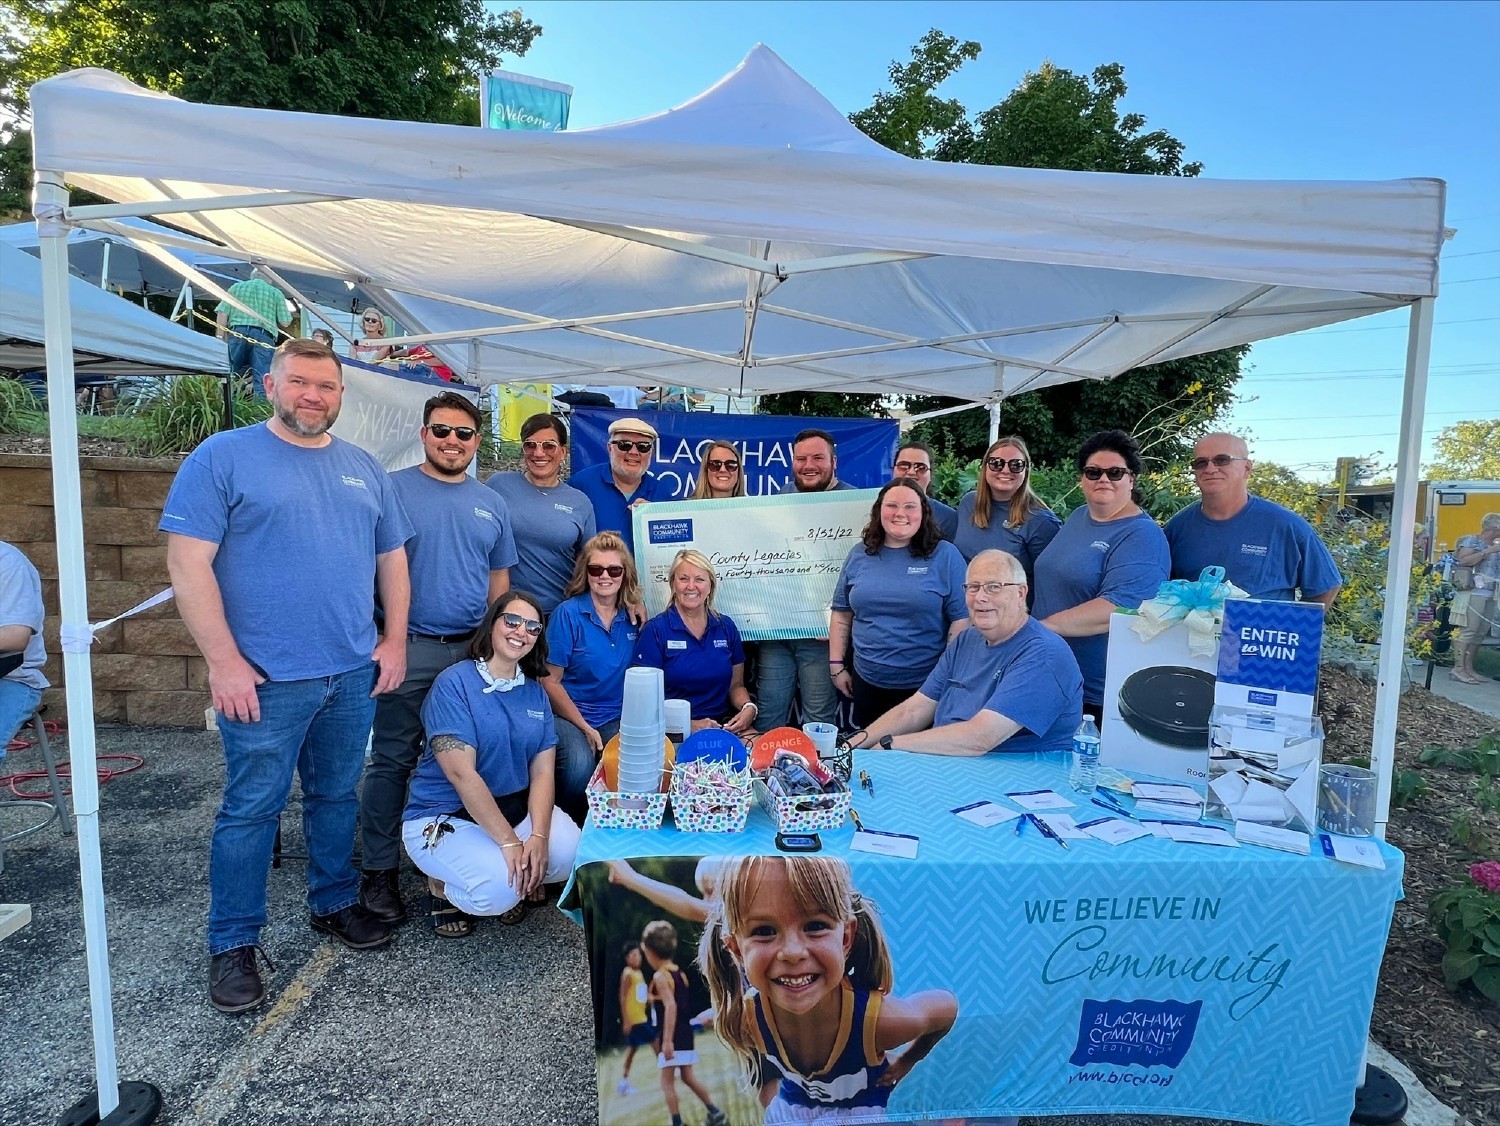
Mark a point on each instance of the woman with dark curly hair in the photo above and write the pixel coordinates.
(900, 597)
(1109, 555)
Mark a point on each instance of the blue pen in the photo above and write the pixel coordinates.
(1112, 808)
(1020, 824)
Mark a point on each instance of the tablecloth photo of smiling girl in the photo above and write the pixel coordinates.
(799, 972)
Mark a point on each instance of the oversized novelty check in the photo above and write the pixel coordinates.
(777, 558)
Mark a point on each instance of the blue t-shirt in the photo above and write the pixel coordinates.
(946, 517)
(612, 507)
(902, 608)
(1265, 549)
(506, 729)
(327, 511)
(1025, 542)
(1125, 561)
(21, 605)
(555, 523)
(1030, 678)
(462, 533)
(696, 669)
(592, 658)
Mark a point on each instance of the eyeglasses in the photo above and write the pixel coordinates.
(546, 447)
(991, 589)
(1000, 465)
(1218, 461)
(599, 570)
(624, 446)
(442, 430)
(1114, 472)
(515, 621)
(718, 466)
(911, 467)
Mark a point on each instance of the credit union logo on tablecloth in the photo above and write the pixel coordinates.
(1141, 1032)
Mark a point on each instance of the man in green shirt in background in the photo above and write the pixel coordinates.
(252, 336)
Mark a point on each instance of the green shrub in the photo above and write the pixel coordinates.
(1467, 919)
(19, 408)
(189, 409)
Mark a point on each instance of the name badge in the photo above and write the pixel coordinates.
(677, 645)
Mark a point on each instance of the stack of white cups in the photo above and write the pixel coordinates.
(643, 728)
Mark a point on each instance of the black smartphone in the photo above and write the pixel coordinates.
(799, 842)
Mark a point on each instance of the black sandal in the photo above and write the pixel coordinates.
(446, 920)
(514, 915)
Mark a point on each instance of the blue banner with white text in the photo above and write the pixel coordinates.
(516, 101)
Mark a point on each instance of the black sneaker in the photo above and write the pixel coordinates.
(234, 983)
(355, 927)
(380, 895)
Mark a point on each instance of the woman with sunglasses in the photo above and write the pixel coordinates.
(1002, 511)
(698, 649)
(480, 820)
(371, 327)
(590, 643)
(552, 520)
(1109, 555)
(900, 597)
(721, 472)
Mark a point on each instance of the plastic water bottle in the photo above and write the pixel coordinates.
(1084, 774)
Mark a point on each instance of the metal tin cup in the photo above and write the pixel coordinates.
(1346, 800)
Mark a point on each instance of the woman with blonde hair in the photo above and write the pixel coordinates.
(721, 473)
(372, 327)
(698, 649)
(1002, 511)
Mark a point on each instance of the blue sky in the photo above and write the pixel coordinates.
(1255, 90)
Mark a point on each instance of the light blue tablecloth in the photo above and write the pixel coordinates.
(1152, 977)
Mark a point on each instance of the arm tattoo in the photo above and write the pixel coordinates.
(441, 743)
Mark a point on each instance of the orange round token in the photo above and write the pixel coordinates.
(763, 753)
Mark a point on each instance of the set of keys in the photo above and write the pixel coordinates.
(433, 832)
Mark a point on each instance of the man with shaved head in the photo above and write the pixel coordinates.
(1266, 550)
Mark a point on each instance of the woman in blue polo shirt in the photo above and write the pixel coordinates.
(901, 598)
(590, 642)
(698, 649)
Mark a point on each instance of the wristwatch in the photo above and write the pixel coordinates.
(885, 742)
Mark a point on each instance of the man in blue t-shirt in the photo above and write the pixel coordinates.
(1265, 550)
(914, 460)
(20, 633)
(459, 557)
(624, 481)
(1008, 684)
(278, 537)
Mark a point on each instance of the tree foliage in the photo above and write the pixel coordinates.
(824, 404)
(1467, 451)
(1053, 119)
(416, 60)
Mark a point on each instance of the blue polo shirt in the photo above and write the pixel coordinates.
(902, 607)
(592, 658)
(1125, 561)
(462, 533)
(1025, 542)
(696, 669)
(612, 507)
(1030, 678)
(1265, 549)
(556, 523)
(506, 729)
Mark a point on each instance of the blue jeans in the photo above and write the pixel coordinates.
(17, 702)
(575, 765)
(785, 668)
(318, 729)
(250, 350)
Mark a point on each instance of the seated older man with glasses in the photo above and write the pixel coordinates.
(1008, 684)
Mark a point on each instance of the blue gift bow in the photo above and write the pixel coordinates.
(1182, 596)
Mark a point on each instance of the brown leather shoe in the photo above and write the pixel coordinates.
(355, 927)
(380, 895)
(234, 983)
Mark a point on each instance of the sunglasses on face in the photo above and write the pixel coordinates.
(599, 570)
(372, 321)
(624, 445)
(531, 446)
(910, 467)
(1218, 461)
(442, 430)
(515, 621)
(1114, 472)
(1000, 465)
(718, 466)
(992, 589)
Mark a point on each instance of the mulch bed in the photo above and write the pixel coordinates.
(1450, 1041)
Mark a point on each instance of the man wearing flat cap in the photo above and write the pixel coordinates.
(614, 489)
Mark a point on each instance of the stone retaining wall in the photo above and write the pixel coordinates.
(147, 669)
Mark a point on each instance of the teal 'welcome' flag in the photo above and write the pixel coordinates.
(516, 101)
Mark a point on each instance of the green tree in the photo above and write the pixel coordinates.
(1467, 451)
(824, 404)
(1053, 119)
(416, 60)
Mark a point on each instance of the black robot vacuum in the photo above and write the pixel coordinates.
(1169, 704)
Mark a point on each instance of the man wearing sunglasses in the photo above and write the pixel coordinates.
(914, 461)
(460, 556)
(1265, 549)
(617, 486)
(1009, 684)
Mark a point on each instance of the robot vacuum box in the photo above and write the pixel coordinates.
(1158, 698)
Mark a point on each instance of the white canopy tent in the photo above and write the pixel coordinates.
(749, 240)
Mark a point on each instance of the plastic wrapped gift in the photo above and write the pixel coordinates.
(1196, 604)
(800, 794)
(1263, 767)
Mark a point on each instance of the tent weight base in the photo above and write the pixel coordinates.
(139, 1103)
(1380, 1102)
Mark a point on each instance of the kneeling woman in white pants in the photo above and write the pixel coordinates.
(480, 819)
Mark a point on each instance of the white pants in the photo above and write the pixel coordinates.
(472, 868)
